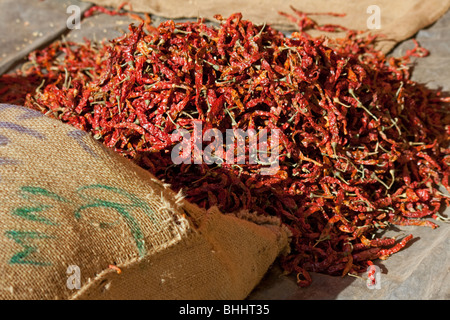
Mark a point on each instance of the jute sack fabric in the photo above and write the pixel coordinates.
(78, 221)
(399, 19)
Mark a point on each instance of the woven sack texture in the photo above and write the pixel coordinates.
(79, 221)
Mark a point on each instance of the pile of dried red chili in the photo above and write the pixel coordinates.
(362, 146)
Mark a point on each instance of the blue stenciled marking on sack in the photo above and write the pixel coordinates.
(78, 135)
(4, 140)
(27, 113)
(6, 161)
(22, 129)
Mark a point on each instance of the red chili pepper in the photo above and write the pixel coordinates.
(361, 145)
(387, 252)
(116, 268)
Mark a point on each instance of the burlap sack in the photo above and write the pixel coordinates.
(81, 222)
(400, 19)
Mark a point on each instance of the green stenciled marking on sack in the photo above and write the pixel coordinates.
(28, 212)
(122, 208)
(33, 213)
(41, 191)
(22, 238)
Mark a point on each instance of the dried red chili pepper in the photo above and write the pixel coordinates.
(384, 253)
(362, 146)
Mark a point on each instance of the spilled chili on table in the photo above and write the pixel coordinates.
(362, 146)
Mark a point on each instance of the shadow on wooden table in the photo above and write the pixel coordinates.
(277, 286)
